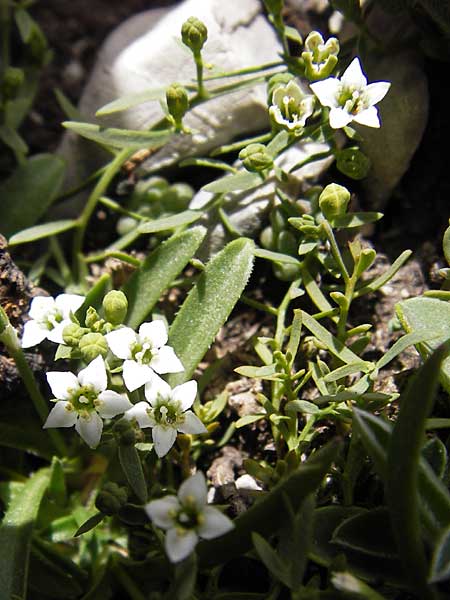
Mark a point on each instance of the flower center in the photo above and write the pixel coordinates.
(350, 99)
(188, 516)
(51, 319)
(167, 413)
(142, 353)
(84, 399)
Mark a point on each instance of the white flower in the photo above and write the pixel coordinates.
(83, 401)
(166, 412)
(187, 517)
(49, 316)
(291, 106)
(144, 353)
(350, 98)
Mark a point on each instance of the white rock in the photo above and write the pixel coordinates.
(246, 482)
(146, 52)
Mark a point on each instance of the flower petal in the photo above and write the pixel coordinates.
(62, 384)
(94, 374)
(33, 333)
(180, 543)
(68, 303)
(158, 511)
(41, 306)
(194, 487)
(191, 424)
(327, 91)
(185, 394)
(120, 342)
(215, 523)
(112, 404)
(157, 387)
(375, 92)
(135, 375)
(166, 361)
(55, 335)
(353, 75)
(155, 332)
(339, 118)
(163, 438)
(90, 429)
(368, 117)
(140, 412)
(61, 417)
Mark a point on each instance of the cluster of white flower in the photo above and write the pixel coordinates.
(83, 400)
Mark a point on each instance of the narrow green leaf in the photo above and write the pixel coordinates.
(69, 109)
(271, 559)
(401, 344)
(257, 372)
(403, 470)
(248, 419)
(16, 532)
(278, 143)
(95, 296)
(160, 268)
(120, 138)
(211, 163)
(11, 138)
(265, 517)
(334, 345)
(131, 100)
(356, 219)
(234, 183)
(378, 282)
(91, 523)
(29, 191)
(132, 468)
(276, 257)
(294, 337)
(346, 370)
(47, 573)
(41, 231)
(440, 562)
(165, 223)
(183, 584)
(301, 406)
(209, 304)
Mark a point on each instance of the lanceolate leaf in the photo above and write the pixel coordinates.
(119, 138)
(130, 100)
(403, 470)
(233, 183)
(15, 536)
(41, 231)
(184, 218)
(157, 272)
(132, 467)
(29, 191)
(209, 304)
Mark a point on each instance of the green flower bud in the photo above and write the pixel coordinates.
(115, 305)
(73, 333)
(194, 34)
(92, 317)
(333, 200)
(177, 102)
(275, 81)
(124, 432)
(111, 498)
(287, 243)
(353, 163)
(178, 197)
(319, 57)
(255, 157)
(278, 220)
(12, 80)
(125, 225)
(286, 272)
(267, 238)
(92, 345)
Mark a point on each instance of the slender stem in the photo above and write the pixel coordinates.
(101, 187)
(127, 583)
(258, 305)
(5, 33)
(201, 91)
(8, 336)
(246, 71)
(60, 259)
(84, 184)
(260, 139)
(335, 250)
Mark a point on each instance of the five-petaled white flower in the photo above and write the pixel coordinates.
(350, 98)
(166, 412)
(49, 316)
(144, 353)
(187, 517)
(83, 401)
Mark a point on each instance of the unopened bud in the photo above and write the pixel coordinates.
(194, 34)
(124, 432)
(92, 345)
(115, 305)
(73, 333)
(333, 200)
(255, 157)
(177, 102)
(12, 80)
(92, 317)
(111, 498)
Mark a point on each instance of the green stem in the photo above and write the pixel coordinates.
(101, 187)
(9, 338)
(5, 33)
(201, 91)
(60, 260)
(246, 71)
(127, 583)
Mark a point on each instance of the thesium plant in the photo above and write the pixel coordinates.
(224, 376)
